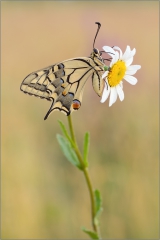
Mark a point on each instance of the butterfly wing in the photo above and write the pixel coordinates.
(98, 82)
(62, 83)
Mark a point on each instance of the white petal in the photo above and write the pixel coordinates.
(117, 56)
(131, 72)
(104, 74)
(121, 84)
(120, 92)
(129, 55)
(117, 48)
(109, 50)
(133, 52)
(115, 59)
(105, 93)
(132, 80)
(129, 61)
(112, 62)
(126, 53)
(113, 96)
(132, 69)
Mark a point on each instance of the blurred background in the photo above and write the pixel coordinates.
(43, 195)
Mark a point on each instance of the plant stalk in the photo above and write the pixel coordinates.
(86, 174)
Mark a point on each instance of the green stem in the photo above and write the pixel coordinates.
(71, 129)
(85, 171)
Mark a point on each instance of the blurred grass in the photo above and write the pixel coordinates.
(41, 192)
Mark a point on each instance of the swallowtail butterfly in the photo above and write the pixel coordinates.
(63, 83)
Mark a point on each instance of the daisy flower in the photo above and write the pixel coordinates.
(120, 68)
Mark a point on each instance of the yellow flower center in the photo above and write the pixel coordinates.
(116, 73)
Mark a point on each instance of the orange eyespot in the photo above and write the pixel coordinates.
(76, 104)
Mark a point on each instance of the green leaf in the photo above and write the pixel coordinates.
(68, 151)
(64, 130)
(86, 148)
(93, 235)
(98, 205)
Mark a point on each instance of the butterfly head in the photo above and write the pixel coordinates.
(96, 54)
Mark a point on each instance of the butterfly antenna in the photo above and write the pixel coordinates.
(99, 25)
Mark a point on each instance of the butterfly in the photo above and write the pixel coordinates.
(63, 83)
